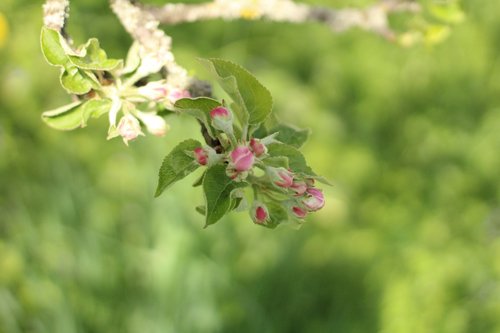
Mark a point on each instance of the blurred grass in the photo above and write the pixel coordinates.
(409, 239)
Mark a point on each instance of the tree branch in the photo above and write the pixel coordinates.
(55, 13)
(373, 19)
(155, 45)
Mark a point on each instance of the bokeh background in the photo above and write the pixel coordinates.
(409, 240)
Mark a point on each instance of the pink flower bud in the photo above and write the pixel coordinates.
(220, 112)
(259, 213)
(257, 147)
(314, 199)
(299, 212)
(201, 156)
(129, 128)
(299, 187)
(222, 119)
(242, 158)
(280, 177)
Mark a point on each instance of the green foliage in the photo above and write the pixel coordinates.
(218, 192)
(199, 108)
(76, 114)
(177, 165)
(253, 102)
(408, 242)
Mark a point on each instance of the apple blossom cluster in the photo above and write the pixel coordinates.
(245, 161)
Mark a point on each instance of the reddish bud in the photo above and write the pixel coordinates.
(314, 199)
(257, 147)
(201, 156)
(280, 177)
(259, 213)
(221, 113)
(299, 187)
(242, 158)
(299, 212)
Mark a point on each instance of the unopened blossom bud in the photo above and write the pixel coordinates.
(299, 187)
(314, 199)
(222, 119)
(129, 128)
(201, 156)
(257, 147)
(259, 213)
(155, 124)
(242, 158)
(235, 175)
(206, 156)
(154, 91)
(299, 212)
(280, 177)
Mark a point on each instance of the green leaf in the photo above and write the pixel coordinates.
(277, 162)
(76, 114)
(199, 181)
(52, 48)
(177, 165)
(95, 108)
(291, 135)
(65, 118)
(253, 100)
(201, 209)
(76, 81)
(92, 57)
(296, 160)
(217, 187)
(277, 215)
(199, 108)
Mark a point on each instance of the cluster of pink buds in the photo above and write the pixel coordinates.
(241, 157)
(304, 196)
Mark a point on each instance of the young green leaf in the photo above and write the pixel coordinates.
(296, 160)
(52, 48)
(92, 57)
(65, 118)
(291, 135)
(95, 108)
(217, 187)
(199, 108)
(277, 215)
(254, 101)
(177, 165)
(76, 81)
(76, 114)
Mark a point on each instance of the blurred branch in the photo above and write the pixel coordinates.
(374, 18)
(55, 13)
(155, 45)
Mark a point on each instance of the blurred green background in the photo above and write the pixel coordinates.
(409, 240)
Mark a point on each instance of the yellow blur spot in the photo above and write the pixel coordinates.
(4, 29)
(249, 13)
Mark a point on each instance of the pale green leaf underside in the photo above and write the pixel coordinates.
(177, 165)
(199, 108)
(217, 188)
(52, 48)
(76, 114)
